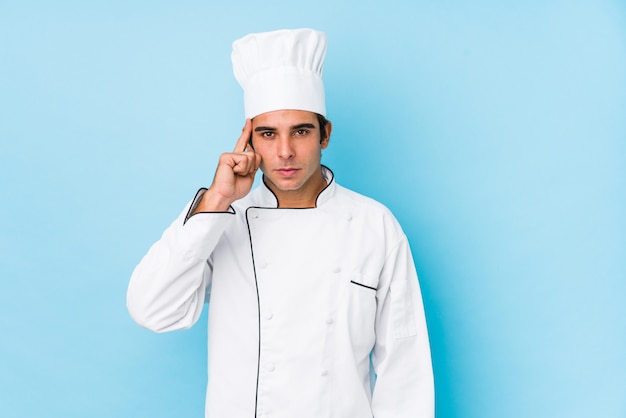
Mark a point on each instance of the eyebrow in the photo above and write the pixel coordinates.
(303, 125)
(295, 127)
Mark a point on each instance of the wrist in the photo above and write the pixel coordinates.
(212, 201)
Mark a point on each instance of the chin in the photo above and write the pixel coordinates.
(290, 187)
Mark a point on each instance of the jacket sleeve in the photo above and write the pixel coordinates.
(401, 357)
(167, 288)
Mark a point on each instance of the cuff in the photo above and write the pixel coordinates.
(196, 201)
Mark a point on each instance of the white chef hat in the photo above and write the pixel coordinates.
(281, 70)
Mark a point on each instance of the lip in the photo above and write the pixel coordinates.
(287, 172)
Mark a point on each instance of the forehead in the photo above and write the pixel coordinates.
(284, 118)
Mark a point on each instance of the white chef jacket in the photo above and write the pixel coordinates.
(300, 301)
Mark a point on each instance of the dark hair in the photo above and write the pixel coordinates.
(323, 122)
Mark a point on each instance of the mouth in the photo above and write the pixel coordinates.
(287, 171)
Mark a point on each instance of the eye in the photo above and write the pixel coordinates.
(267, 134)
(302, 132)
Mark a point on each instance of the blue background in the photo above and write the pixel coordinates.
(494, 130)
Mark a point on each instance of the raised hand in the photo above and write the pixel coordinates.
(234, 175)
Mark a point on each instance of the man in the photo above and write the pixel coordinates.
(309, 283)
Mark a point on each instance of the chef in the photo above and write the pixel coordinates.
(310, 285)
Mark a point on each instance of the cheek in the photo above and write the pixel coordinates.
(316, 152)
(266, 158)
(261, 149)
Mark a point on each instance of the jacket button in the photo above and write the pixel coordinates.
(269, 316)
(270, 367)
(324, 372)
(337, 270)
(329, 321)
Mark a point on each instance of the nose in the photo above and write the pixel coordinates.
(285, 148)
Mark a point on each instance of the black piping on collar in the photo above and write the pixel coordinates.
(328, 183)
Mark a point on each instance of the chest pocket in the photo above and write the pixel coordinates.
(360, 305)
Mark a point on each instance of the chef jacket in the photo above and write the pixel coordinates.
(302, 303)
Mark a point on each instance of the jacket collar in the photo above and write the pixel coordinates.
(267, 198)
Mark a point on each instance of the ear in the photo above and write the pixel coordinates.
(329, 129)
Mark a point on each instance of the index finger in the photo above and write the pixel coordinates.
(242, 142)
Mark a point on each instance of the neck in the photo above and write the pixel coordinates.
(305, 197)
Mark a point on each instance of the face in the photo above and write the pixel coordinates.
(290, 148)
